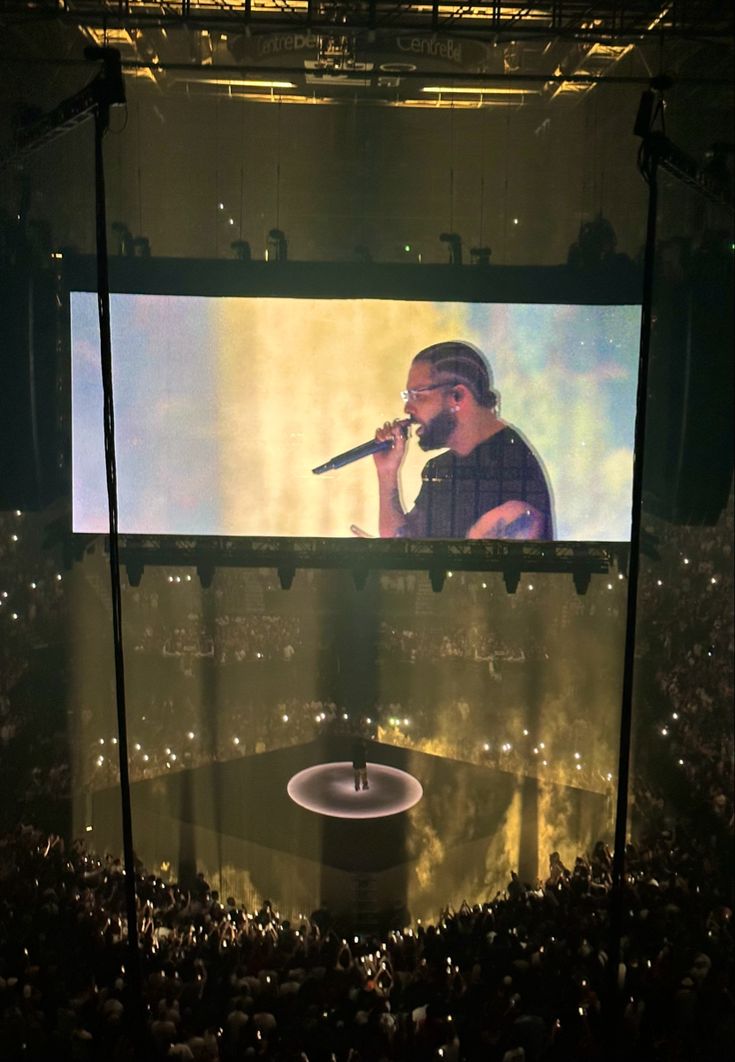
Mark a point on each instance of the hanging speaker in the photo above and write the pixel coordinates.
(32, 447)
(688, 462)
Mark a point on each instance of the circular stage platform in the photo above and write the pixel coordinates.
(329, 789)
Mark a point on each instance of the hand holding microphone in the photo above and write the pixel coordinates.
(394, 434)
(387, 447)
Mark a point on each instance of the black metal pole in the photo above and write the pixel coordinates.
(133, 970)
(626, 713)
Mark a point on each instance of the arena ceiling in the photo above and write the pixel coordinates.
(484, 54)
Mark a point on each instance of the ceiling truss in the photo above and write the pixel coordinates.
(601, 20)
(485, 53)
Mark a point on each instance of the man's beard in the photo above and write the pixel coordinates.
(435, 433)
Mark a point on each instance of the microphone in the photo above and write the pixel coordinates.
(374, 446)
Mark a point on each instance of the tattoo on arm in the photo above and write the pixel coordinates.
(391, 515)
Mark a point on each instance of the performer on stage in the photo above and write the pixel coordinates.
(489, 483)
(359, 764)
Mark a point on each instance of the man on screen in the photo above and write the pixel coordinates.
(489, 483)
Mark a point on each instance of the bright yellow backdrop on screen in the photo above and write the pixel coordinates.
(300, 381)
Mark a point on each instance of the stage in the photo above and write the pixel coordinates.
(288, 825)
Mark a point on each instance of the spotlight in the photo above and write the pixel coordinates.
(286, 574)
(241, 250)
(123, 239)
(581, 579)
(511, 578)
(454, 242)
(205, 571)
(480, 256)
(277, 249)
(437, 577)
(201, 48)
(134, 571)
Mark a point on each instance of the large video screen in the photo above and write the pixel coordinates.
(225, 406)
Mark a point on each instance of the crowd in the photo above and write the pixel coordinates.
(237, 638)
(685, 650)
(173, 736)
(295, 689)
(229, 639)
(33, 609)
(462, 641)
(521, 976)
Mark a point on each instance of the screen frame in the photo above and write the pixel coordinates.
(554, 285)
(561, 284)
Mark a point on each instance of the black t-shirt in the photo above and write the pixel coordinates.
(456, 491)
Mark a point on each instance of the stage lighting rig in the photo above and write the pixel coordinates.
(454, 242)
(122, 239)
(712, 180)
(106, 90)
(241, 250)
(335, 52)
(480, 256)
(201, 48)
(277, 248)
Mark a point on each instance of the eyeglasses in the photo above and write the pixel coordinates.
(412, 392)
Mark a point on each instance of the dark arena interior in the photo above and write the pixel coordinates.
(416, 749)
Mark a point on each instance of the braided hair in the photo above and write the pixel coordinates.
(461, 363)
